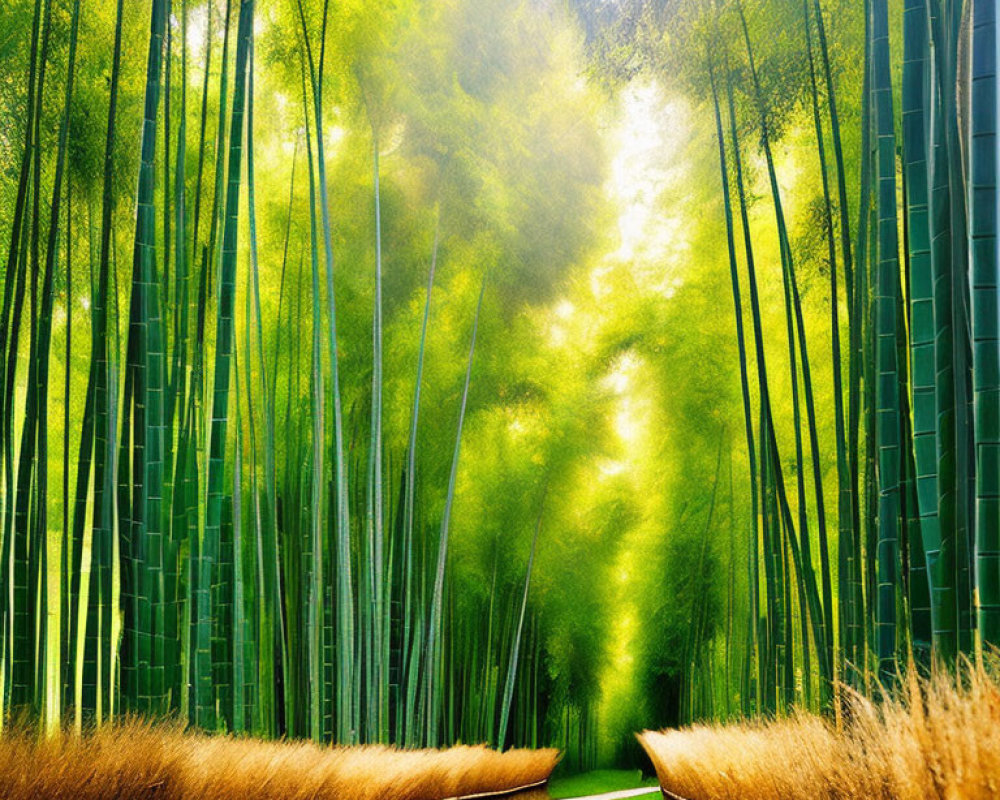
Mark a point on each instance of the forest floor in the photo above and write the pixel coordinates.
(623, 794)
(937, 738)
(602, 783)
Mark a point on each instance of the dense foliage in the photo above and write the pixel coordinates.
(370, 371)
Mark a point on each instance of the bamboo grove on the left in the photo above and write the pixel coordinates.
(203, 570)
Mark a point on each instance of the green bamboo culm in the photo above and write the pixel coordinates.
(508, 691)
(986, 339)
(952, 187)
(748, 412)
(768, 643)
(346, 699)
(27, 654)
(921, 284)
(205, 699)
(313, 556)
(844, 494)
(271, 655)
(50, 700)
(434, 659)
(796, 337)
(377, 720)
(943, 556)
(887, 387)
(13, 306)
(406, 714)
(139, 496)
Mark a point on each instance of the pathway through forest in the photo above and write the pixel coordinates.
(644, 790)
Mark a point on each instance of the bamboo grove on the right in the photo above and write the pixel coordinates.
(912, 577)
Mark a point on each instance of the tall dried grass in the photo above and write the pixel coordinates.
(939, 739)
(136, 760)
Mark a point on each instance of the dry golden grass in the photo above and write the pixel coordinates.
(136, 761)
(941, 740)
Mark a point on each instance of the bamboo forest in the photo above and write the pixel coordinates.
(517, 373)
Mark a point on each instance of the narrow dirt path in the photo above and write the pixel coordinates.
(645, 790)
